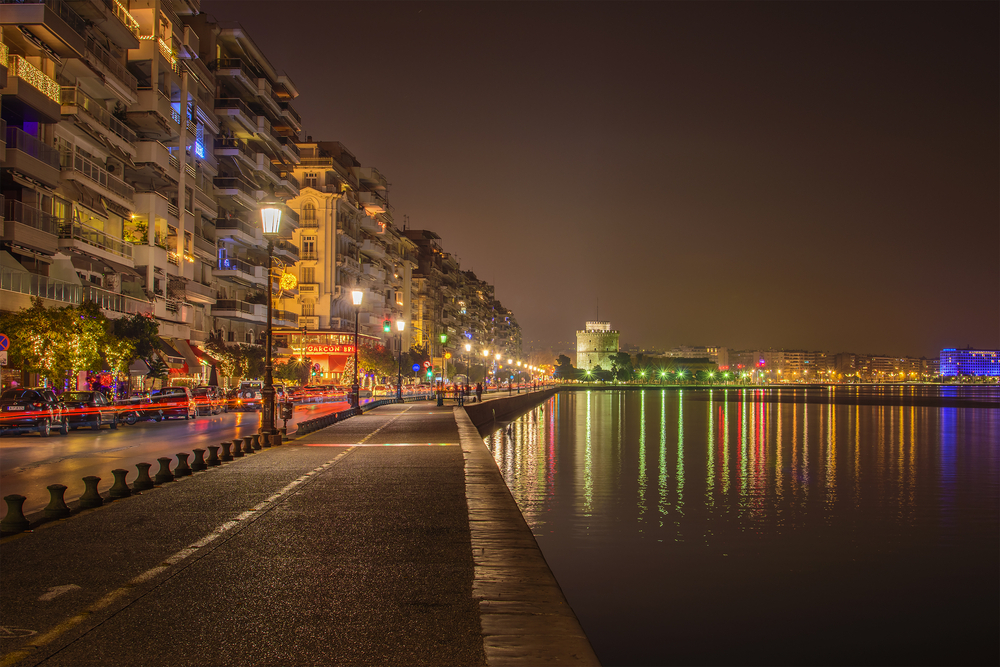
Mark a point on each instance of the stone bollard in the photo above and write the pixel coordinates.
(182, 469)
(276, 440)
(57, 507)
(237, 448)
(14, 522)
(199, 460)
(213, 456)
(119, 489)
(226, 454)
(247, 447)
(90, 497)
(142, 482)
(265, 440)
(255, 441)
(163, 475)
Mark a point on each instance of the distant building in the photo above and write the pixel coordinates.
(595, 346)
(970, 362)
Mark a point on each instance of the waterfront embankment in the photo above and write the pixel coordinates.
(389, 538)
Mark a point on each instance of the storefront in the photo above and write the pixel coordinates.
(331, 353)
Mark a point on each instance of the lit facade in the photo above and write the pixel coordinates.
(595, 346)
(971, 362)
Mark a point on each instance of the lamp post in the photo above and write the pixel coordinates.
(400, 325)
(270, 217)
(355, 389)
(468, 364)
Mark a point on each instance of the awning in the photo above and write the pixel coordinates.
(192, 361)
(86, 262)
(8, 262)
(138, 367)
(119, 153)
(173, 358)
(202, 355)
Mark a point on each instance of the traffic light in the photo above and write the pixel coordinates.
(444, 338)
(386, 326)
(430, 372)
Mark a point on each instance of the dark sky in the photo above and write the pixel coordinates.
(799, 175)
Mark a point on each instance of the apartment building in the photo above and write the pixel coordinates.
(348, 242)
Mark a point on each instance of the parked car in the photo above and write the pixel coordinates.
(248, 396)
(88, 408)
(175, 402)
(25, 410)
(210, 400)
(138, 408)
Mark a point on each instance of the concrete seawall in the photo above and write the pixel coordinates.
(496, 412)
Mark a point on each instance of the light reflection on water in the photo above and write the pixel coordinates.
(675, 518)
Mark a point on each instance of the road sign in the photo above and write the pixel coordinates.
(4, 342)
(416, 367)
(427, 364)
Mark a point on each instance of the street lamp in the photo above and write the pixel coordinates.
(355, 389)
(468, 364)
(270, 218)
(400, 325)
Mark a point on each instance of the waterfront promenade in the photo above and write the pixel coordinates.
(386, 539)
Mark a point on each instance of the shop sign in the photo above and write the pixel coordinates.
(323, 349)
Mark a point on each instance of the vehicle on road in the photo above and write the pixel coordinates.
(210, 400)
(175, 402)
(138, 408)
(27, 410)
(248, 396)
(88, 408)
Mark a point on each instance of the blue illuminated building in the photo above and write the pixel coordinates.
(970, 362)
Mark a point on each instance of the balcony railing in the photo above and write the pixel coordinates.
(286, 109)
(3, 54)
(33, 76)
(231, 63)
(235, 103)
(33, 146)
(117, 303)
(222, 143)
(31, 216)
(284, 316)
(75, 97)
(96, 173)
(233, 223)
(287, 246)
(40, 286)
(233, 305)
(235, 183)
(96, 238)
(289, 143)
(65, 12)
(233, 264)
(123, 15)
(310, 222)
(116, 69)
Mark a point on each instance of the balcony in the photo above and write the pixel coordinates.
(237, 110)
(154, 115)
(370, 177)
(289, 120)
(287, 249)
(289, 149)
(155, 154)
(119, 79)
(33, 285)
(310, 289)
(74, 100)
(373, 202)
(91, 241)
(195, 292)
(288, 182)
(236, 71)
(309, 321)
(76, 167)
(190, 43)
(370, 224)
(372, 249)
(204, 248)
(116, 305)
(31, 156)
(53, 22)
(266, 97)
(30, 227)
(240, 191)
(240, 271)
(235, 230)
(283, 318)
(29, 93)
(240, 310)
(236, 149)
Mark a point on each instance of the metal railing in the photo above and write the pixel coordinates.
(31, 216)
(308, 254)
(288, 246)
(204, 244)
(40, 286)
(96, 238)
(287, 109)
(234, 223)
(235, 183)
(73, 96)
(235, 103)
(96, 173)
(33, 76)
(117, 303)
(233, 264)
(123, 15)
(238, 144)
(233, 304)
(33, 146)
(116, 69)
(289, 143)
(284, 316)
(65, 12)
(232, 63)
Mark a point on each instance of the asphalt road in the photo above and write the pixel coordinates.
(29, 463)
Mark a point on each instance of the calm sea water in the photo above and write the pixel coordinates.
(807, 526)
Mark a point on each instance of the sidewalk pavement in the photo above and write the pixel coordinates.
(386, 539)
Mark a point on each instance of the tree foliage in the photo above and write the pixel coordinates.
(564, 369)
(143, 331)
(294, 370)
(378, 360)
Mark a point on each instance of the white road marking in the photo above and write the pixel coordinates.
(56, 591)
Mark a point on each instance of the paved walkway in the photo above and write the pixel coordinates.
(386, 539)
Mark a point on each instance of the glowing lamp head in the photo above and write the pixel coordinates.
(356, 296)
(498, 356)
(400, 325)
(270, 217)
(510, 361)
(468, 346)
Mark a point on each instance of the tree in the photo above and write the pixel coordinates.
(294, 370)
(143, 331)
(378, 360)
(564, 369)
(621, 367)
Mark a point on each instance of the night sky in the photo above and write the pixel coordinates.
(817, 176)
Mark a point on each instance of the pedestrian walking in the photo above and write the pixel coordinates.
(479, 392)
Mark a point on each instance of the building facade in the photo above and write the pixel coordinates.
(595, 346)
(970, 362)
